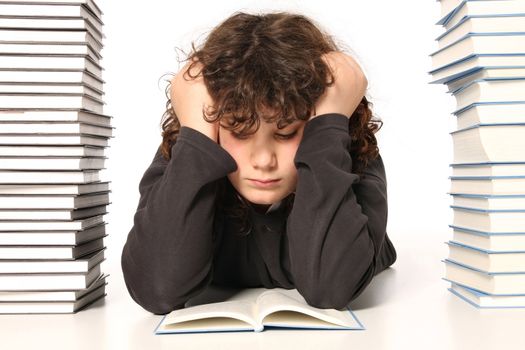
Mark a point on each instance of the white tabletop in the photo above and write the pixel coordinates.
(406, 306)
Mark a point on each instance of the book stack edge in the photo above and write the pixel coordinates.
(481, 59)
(53, 134)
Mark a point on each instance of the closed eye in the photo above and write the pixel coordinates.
(286, 136)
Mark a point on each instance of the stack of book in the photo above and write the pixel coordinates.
(52, 138)
(481, 59)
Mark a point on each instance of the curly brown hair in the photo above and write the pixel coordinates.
(255, 63)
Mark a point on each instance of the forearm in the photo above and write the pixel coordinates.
(332, 251)
(167, 256)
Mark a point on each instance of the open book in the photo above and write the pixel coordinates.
(254, 309)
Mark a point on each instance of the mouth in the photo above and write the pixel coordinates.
(264, 182)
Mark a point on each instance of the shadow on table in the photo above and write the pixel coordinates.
(377, 291)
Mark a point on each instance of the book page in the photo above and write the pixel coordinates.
(237, 311)
(282, 307)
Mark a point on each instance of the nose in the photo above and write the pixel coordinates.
(263, 156)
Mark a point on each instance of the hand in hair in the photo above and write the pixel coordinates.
(348, 89)
(190, 98)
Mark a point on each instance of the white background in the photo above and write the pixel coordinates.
(392, 41)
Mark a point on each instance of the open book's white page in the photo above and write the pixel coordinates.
(276, 305)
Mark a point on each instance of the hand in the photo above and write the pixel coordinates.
(188, 98)
(348, 89)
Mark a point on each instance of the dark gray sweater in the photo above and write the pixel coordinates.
(329, 246)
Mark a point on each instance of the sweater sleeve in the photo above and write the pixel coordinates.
(167, 258)
(335, 245)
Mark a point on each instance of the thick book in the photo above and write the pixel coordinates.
(53, 307)
(483, 91)
(496, 221)
(48, 225)
(487, 184)
(53, 295)
(55, 127)
(48, 281)
(447, 6)
(488, 240)
(256, 309)
(498, 283)
(48, 177)
(50, 151)
(51, 163)
(59, 201)
(482, 24)
(50, 62)
(53, 237)
(493, 113)
(484, 300)
(64, 36)
(475, 62)
(50, 88)
(80, 265)
(37, 49)
(486, 260)
(488, 169)
(50, 252)
(51, 214)
(482, 143)
(489, 202)
(89, 5)
(478, 8)
(100, 186)
(81, 116)
(56, 23)
(505, 45)
(53, 139)
(487, 74)
(50, 101)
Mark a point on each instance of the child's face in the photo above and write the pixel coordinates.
(268, 154)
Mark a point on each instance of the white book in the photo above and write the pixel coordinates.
(33, 139)
(14, 282)
(52, 77)
(81, 265)
(51, 237)
(486, 74)
(64, 36)
(57, 23)
(475, 62)
(48, 177)
(36, 49)
(488, 169)
(482, 91)
(50, 151)
(51, 214)
(56, 115)
(478, 24)
(53, 307)
(489, 202)
(493, 113)
(254, 309)
(487, 185)
(51, 62)
(487, 282)
(51, 163)
(46, 225)
(476, 8)
(488, 240)
(55, 101)
(55, 127)
(55, 188)
(490, 221)
(483, 143)
(41, 201)
(477, 43)
(511, 261)
(48, 88)
(89, 4)
(447, 6)
(50, 252)
(56, 10)
(484, 300)
(60, 295)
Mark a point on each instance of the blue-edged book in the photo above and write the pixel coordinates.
(256, 309)
(487, 301)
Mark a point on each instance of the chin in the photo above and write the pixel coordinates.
(265, 200)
